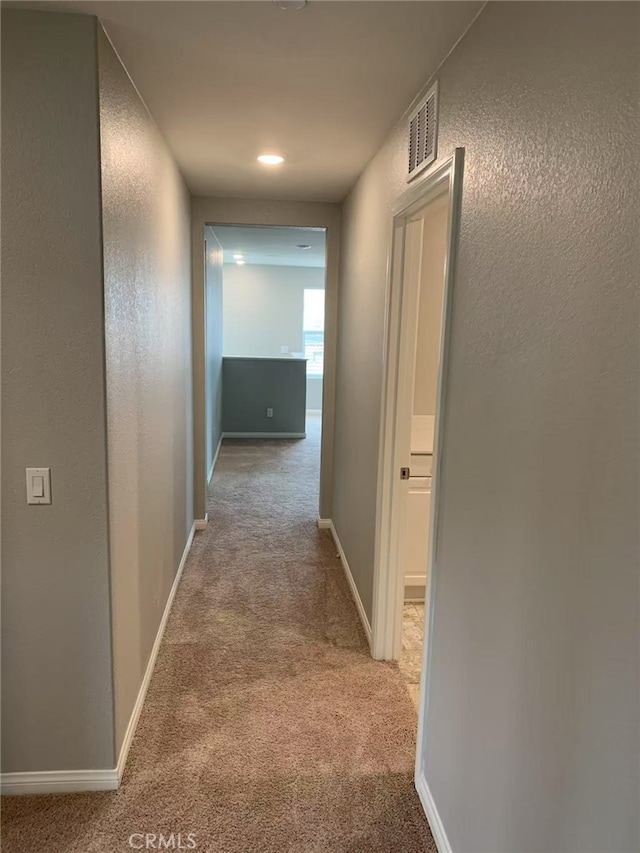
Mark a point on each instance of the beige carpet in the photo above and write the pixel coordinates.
(267, 726)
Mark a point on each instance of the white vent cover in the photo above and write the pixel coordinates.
(423, 133)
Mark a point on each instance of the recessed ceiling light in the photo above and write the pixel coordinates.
(290, 5)
(303, 246)
(240, 263)
(270, 159)
(238, 257)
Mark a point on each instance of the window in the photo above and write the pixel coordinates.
(313, 330)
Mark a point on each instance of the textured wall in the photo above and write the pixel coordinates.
(56, 673)
(267, 212)
(263, 307)
(531, 732)
(149, 383)
(252, 385)
(213, 348)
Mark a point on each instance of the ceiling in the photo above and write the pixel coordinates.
(323, 86)
(272, 246)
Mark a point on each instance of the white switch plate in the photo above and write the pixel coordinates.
(269, 413)
(38, 485)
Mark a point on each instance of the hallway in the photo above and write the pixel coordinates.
(267, 725)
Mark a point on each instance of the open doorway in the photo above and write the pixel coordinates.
(425, 253)
(425, 225)
(264, 307)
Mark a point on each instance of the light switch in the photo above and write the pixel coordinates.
(38, 485)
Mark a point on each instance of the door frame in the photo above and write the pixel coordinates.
(328, 332)
(386, 640)
(214, 211)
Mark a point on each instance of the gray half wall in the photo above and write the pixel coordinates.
(251, 385)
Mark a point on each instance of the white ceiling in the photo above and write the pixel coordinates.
(272, 246)
(323, 86)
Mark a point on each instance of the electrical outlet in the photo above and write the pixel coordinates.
(269, 413)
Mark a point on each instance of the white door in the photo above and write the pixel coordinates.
(417, 538)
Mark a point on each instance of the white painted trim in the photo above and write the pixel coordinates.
(59, 782)
(435, 821)
(415, 580)
(313, 411)
(264, 435)
(137, 708)
(352, 584)
(201, 523)
(324, 523)
(215, 459)
(74, 781)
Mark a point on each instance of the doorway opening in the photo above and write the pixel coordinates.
(425, 229)
(264, 336)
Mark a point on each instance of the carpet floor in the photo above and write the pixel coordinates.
(267, 726)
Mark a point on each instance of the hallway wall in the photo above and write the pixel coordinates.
(57, 702)
(147, 284)
(213, 345)
(531, 727)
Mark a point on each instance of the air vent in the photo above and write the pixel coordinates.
(423, 133)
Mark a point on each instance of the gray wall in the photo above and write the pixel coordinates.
(146, 221)
(251, 385)
(263, 311)
(263, 307)
(241, 211)
(57, 703)
(213, 348)
(532, 720)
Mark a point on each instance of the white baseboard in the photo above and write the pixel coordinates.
(415, 580)
(352, 584)
(314, 411)
(215, 459)
(137, 708)
(59, 782)
(264, 435)
(74, 781)
(324, 523)
(435, 822)
(201, 523)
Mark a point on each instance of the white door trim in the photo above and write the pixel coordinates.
(387, 591)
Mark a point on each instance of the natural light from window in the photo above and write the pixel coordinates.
(313, 330)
